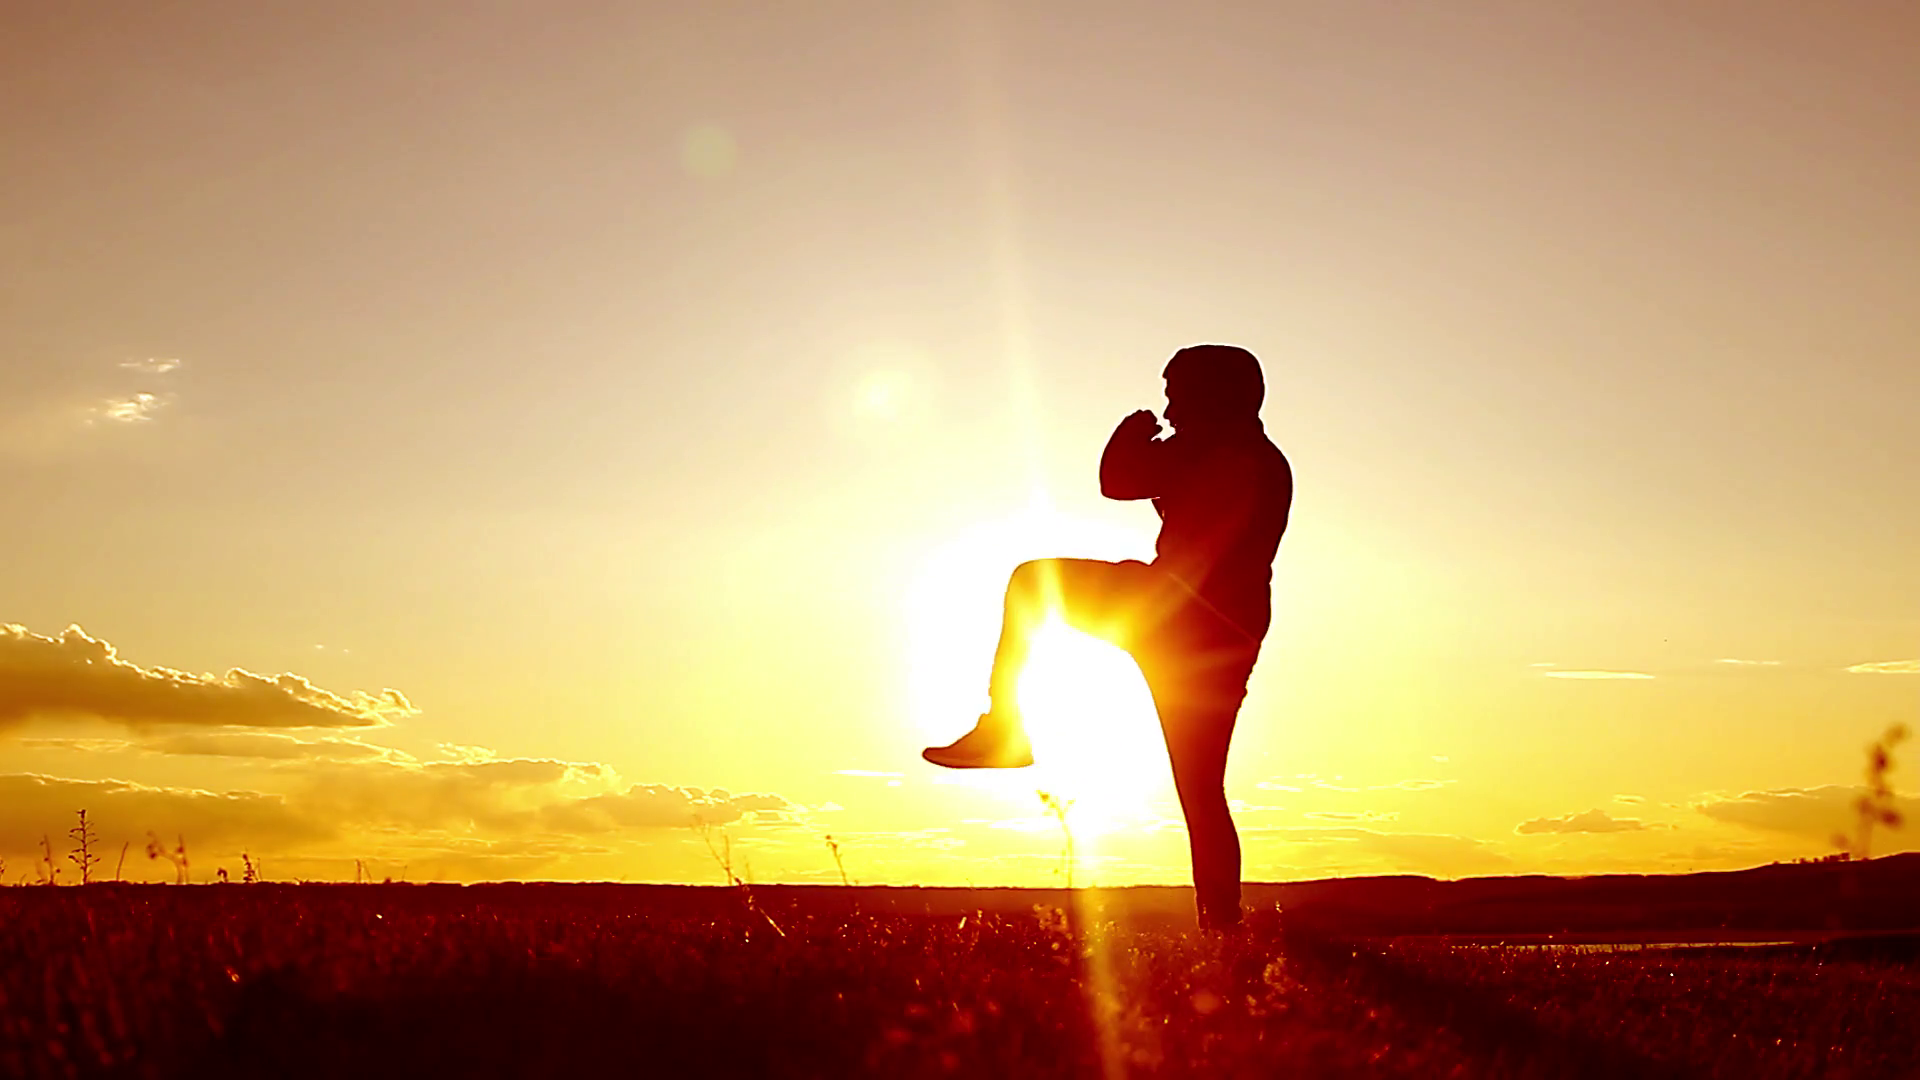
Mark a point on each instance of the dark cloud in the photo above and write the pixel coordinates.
(1593, 821)
(78, 675)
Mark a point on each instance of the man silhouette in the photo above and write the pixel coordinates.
(1193, 619)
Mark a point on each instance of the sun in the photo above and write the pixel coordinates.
(1096, 738)
(1094, 731)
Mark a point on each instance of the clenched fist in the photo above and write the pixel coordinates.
(1141, 425)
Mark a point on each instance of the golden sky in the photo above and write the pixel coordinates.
(612, 413)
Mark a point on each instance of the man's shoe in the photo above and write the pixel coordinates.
(990, 745)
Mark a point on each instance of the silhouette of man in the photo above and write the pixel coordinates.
(1193, 619)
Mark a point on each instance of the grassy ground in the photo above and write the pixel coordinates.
(384, 980)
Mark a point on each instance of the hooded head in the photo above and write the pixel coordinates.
(1213, 388)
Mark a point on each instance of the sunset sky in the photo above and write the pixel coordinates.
(581, 417)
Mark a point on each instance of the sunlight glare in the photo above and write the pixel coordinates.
(1096, 740)
(882, 395)
(1095, 735)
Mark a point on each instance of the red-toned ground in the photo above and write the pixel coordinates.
(549, 980)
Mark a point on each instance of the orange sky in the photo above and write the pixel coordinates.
(655, 397)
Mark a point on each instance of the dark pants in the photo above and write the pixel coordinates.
(1196, 663)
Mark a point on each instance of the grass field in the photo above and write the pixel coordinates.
(538, 980)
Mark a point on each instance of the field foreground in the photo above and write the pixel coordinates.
(550, 980)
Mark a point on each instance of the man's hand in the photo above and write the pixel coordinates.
(1132, 463)
(1139, 426)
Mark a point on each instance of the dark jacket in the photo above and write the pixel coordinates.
(1223, 501)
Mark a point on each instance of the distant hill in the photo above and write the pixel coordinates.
(1784, 901)
(1875, 895)
(1765, 902)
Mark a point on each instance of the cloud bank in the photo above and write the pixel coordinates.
(1592, 821)
(1816, 813)
(1887, 667)
(39, 806)
(1442, 854)
(78, 675)
(512, 815)
(134, 408)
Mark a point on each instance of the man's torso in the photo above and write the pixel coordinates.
(1221, 520)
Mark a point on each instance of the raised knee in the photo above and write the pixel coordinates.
(1027, 576)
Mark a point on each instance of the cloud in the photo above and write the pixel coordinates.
(937, 838)
(152, 365)
(38, 805)
(1593, 821)
(465, 752)
(473, 818)
(524, 796)
(1363, 815)
(78, 675)
(259, 745)
(500, 796)
(266, 746)
(657, 806)
(1596, 675)
(1425, 852)
(134, 409)
(1817, 812)
(45, 419)
(1887, 667)
(80, 745)
(1629, 798)
(1748, 663)
(1416, 784)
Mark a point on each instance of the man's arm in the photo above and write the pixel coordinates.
(1133, 464)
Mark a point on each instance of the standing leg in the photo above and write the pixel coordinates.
(1197, 740)
(1198, 676)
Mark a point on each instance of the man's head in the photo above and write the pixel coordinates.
(1213, 387)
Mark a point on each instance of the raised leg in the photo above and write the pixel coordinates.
(1117, 602)
(1105, 599)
